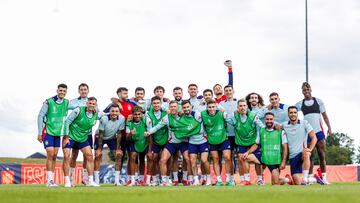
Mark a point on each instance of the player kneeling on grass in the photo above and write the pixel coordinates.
(273, 150)
(297, 132)
(78, 126)
(214, 126)
(138, 143)
(109, 133)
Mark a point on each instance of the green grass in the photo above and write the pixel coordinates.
(335, 193)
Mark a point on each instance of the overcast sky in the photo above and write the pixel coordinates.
(109, 44)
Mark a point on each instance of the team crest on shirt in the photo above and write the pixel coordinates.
(190, 127)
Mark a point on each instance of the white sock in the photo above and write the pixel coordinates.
(311, 175)
(191, 177)
(242, 178)
(164, 179)
(185, 175)
(227, 177)
(117, 176)
(305, 174)
(232, 178)
(72, 173)
(132, 178)
(148, 178)
(96, 177)
(208, 179)
(141, 177)
(247, 176)
(202, 177)
(175, 175)
(67, 180)
(196, 179)
(259, 178)
(91, 179)
(155, 178)
(49, 176)
(85, 175)
(136, 176)
(324, 177)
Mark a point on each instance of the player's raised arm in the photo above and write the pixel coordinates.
(228, 63)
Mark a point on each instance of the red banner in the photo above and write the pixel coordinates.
(36, 174)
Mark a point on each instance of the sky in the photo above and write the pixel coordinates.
(109, 43)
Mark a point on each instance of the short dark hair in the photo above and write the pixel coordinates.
(62, 85)
(228, 86)
(159, 88)
(273, 94)
(305, 84)
(139, 89)
(92, 98)
(121, 89)
(208, 90)
(114, 106)
(83, 85)
(211, 101)
(177, 88)
(155, 98)
(269, 113)
(185, 102)
(192, 85)
(292, 107)
(137, 108)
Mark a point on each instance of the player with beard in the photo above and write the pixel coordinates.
(274, 150)
(297, 132)
(218, 90)
(174, 144)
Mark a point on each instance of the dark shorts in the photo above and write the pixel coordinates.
(156, 149)
(243, 149)
(273, 167)
(124, 144)
(51, 141)
(89, 140)
(232, 142)
(220, 147)
(110, 143)
(319, 135)
(296, 164)
(76, 145)
(198, 148)
(131, 148)
(173, 147)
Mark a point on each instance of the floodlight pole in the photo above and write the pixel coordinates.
(306, 43)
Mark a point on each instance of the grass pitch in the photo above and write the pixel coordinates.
(335, 193)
